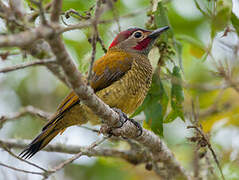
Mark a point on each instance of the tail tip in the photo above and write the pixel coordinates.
(31, 150)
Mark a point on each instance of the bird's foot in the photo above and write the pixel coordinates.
(122, 115)
(123, 119)
(138, 126)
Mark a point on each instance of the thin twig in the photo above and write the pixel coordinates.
(21, 159)
(73, 11)
(26, 64)
(21, 170)
(98, 12)
(68, 161)
(101, 43)
(91, 129)
(32, 16)
(89, 22)
(41, 11)
(209, 147)
(115, 13)
(93, 39)
(210, 167)
(226, 73)
(26, 110)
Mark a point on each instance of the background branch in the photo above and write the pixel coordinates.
(26, 64)
(26, 110)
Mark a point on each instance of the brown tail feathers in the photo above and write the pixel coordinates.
(40, 141)
(49, 131)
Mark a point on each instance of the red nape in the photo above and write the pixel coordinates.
(142, 44)
(114, 42)
(121, 37)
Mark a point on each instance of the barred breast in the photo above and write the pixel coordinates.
(129, 92)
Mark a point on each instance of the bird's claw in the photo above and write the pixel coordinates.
(124, 118)
(138, 126)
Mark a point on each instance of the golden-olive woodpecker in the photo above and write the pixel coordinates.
(121, 78)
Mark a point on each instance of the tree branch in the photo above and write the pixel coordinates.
(94, 37)
(26, 64)
(26, 37)
(208, 144)
(56, 10)
(79, 154)
(26, 110)
(20, 170)
(132, 156)
(29, 36)
(21, 159)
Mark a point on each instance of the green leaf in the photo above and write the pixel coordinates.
(222, 17)
(161, 19)
(154, 117)
(142, 107)
(204, 12)
(198, 49)
(191, 40)
(177, 97)
(179, 49)
(177, 90)
(155, 105)
(157, 90)
(170, 117)
(235, 22)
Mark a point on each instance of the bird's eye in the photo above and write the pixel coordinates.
(138, 34)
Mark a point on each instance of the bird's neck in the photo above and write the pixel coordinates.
(128, 52)
(140, 61)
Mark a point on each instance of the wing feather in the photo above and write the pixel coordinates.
(106, 71)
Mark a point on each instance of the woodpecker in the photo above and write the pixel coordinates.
(121, 78)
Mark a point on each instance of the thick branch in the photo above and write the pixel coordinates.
(26, 37)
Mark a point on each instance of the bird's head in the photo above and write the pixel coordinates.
(136, 40)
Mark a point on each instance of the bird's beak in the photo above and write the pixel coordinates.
(157, 32)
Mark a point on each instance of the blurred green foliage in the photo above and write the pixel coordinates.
(235, 22)
(100, 170)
